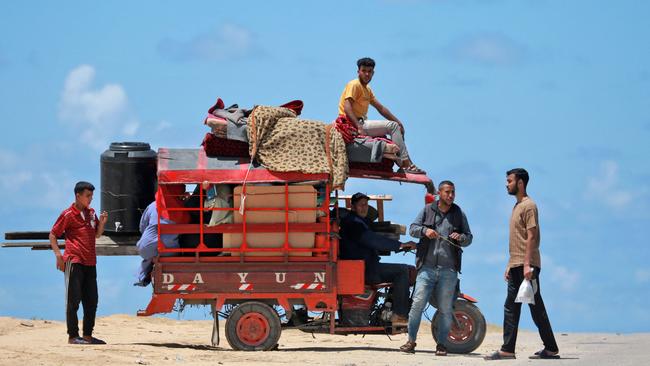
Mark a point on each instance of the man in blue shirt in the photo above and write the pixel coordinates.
(148, 244)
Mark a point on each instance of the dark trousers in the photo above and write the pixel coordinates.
(81, 286)
(398, 274)
(512, 311)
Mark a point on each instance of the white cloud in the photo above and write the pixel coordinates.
(490, 49)
(163, 125)
(605, 187)
(99, 114)
(227, 42)
(12, 176)
(642, 275)
(561, 276)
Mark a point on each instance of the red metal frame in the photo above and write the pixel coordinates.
(224, 273)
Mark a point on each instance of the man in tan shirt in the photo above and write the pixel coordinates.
(524, 263)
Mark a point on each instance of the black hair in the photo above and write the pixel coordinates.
(446, 183)
(358, 197)
(82, 186)
(520, 173)
(366, 61)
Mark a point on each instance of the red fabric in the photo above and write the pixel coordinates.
(80, 231)
(218, 105)
(215, 146)
(171, 198)
(346, 128)
(294, 105)
(429, 198)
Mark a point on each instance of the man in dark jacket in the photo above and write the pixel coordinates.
(359, 242)
(443, 230)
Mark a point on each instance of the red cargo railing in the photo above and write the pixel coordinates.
(325, 246)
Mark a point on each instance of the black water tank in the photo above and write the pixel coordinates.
(128, 184)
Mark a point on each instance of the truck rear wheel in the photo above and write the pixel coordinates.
(253, 326)
(470, 334)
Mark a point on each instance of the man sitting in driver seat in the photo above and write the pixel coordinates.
(359, 242)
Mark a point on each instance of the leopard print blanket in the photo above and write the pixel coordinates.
(284, 143)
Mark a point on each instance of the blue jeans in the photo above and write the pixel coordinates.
(148, 249)
(443, 282)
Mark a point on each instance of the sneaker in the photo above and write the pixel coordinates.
(408, 347)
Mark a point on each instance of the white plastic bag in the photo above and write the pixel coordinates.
(526, 294)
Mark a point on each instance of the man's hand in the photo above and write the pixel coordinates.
(60, 264)
(528, 271)
(455, 236)
(431, 234)
(506, 276)
(409, 245)
(103, 217)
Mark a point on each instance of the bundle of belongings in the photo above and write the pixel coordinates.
(282, 142)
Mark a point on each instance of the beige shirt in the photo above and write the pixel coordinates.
(524, 216)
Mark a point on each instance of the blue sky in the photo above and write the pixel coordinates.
(560, 88)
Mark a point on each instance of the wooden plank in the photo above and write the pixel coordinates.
(376, 197)
(104, 245)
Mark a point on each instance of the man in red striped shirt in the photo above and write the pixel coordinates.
(81, 227)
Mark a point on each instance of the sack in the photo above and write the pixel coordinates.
(526, 294)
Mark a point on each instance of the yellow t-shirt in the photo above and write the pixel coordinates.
(361, 98)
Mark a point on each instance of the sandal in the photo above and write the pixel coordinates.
(544, 355)
(497, 355)
(441, 350)
(413, 169)
(408, 347)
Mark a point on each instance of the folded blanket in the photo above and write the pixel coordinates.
(284, 143)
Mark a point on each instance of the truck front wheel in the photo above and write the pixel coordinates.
(253, 326)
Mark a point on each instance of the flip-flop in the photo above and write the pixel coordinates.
(544, 355)
(96, 341)
(77, 340)
(496, 355)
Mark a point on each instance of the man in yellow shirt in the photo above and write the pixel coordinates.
(354, 102)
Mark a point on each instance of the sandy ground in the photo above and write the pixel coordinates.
(162, 341)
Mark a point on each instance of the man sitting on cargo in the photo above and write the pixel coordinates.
(359, 242)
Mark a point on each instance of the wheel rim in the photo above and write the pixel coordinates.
(463, 332)
(253, 329)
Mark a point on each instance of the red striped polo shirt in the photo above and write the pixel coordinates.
(80, 228)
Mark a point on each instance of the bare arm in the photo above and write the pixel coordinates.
(60, 265)
(347, 108)
(531, 238)
(386, 113)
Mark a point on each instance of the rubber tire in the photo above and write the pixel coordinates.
(260, 309)
(478, 332)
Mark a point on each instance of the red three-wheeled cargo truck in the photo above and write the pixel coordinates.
(268, 259)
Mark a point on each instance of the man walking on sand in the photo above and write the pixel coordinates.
(81, 227)
(524, 263)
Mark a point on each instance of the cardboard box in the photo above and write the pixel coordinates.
(273, 197)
